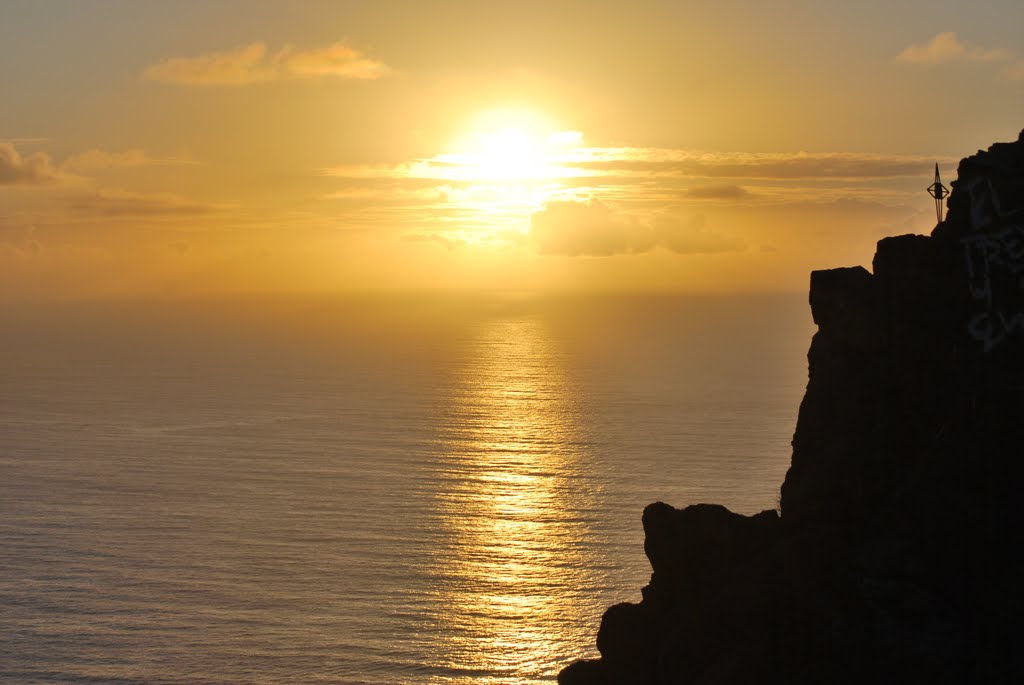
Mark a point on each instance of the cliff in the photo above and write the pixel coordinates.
(895, 556)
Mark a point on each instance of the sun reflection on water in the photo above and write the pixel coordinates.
(515, 507)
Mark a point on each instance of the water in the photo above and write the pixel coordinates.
(378, 489)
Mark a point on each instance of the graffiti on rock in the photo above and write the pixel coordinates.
(995, 278)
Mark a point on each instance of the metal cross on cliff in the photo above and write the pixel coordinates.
(939, 192)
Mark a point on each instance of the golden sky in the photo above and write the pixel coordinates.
(225, 146)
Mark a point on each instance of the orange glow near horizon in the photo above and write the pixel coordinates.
(642, 149)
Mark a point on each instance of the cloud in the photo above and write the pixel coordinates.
(759, 165)
(445, 241)
(717, 192)
(595, 165)
(1015, 72)
(945, 48)
(101, 159)
(32, 170)
(18, 238)
(638, 182)
(336, 60)
(391, 193)
(119, 203)
(253, 64)
(574, 229)
(691, 236)
(23, 141)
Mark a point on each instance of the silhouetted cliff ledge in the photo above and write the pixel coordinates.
(895, 557)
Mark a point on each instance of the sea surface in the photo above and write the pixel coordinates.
(369, 489)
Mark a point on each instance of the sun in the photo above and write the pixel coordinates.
(511, 145)
(509, 154)
(507, 165)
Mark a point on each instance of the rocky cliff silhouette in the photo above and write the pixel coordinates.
(895, 557)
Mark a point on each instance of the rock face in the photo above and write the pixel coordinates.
(895, 558)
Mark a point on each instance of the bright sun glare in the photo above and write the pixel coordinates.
(513, 154)
(507, 166)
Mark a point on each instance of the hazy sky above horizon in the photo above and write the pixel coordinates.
(191, 147)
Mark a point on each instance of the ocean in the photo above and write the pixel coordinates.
(372, 489)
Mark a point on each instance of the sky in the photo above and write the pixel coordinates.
(192, 148)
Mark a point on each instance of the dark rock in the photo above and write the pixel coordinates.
(841, 297)
(583, 673)
(895, 557)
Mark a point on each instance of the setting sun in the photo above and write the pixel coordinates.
(502, 156)
(502, 171)
(513, 148)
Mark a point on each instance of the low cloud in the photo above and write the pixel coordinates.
(24, 141)
(120, 203)
(754, 165)
(717, 192)
(254, 64)
(102, 159)
(577, 229)
(436, 239)
(1015, 71)
(691, 236)
(632, 183)
(18, 238)
(33, 170)
(728, 172)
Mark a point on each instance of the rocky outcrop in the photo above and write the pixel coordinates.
(895, 558)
